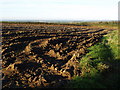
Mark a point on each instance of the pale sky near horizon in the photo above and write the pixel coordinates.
(59, 9)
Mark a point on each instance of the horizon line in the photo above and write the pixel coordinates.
(37, 20)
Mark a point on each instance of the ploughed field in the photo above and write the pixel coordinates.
(37, 55)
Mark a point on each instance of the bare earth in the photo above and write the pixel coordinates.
(36, 55)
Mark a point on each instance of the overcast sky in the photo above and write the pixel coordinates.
(59, 9)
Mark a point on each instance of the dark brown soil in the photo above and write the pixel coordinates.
(36, 55)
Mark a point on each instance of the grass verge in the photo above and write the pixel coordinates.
(100, 66)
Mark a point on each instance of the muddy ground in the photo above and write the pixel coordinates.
(35, 55)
